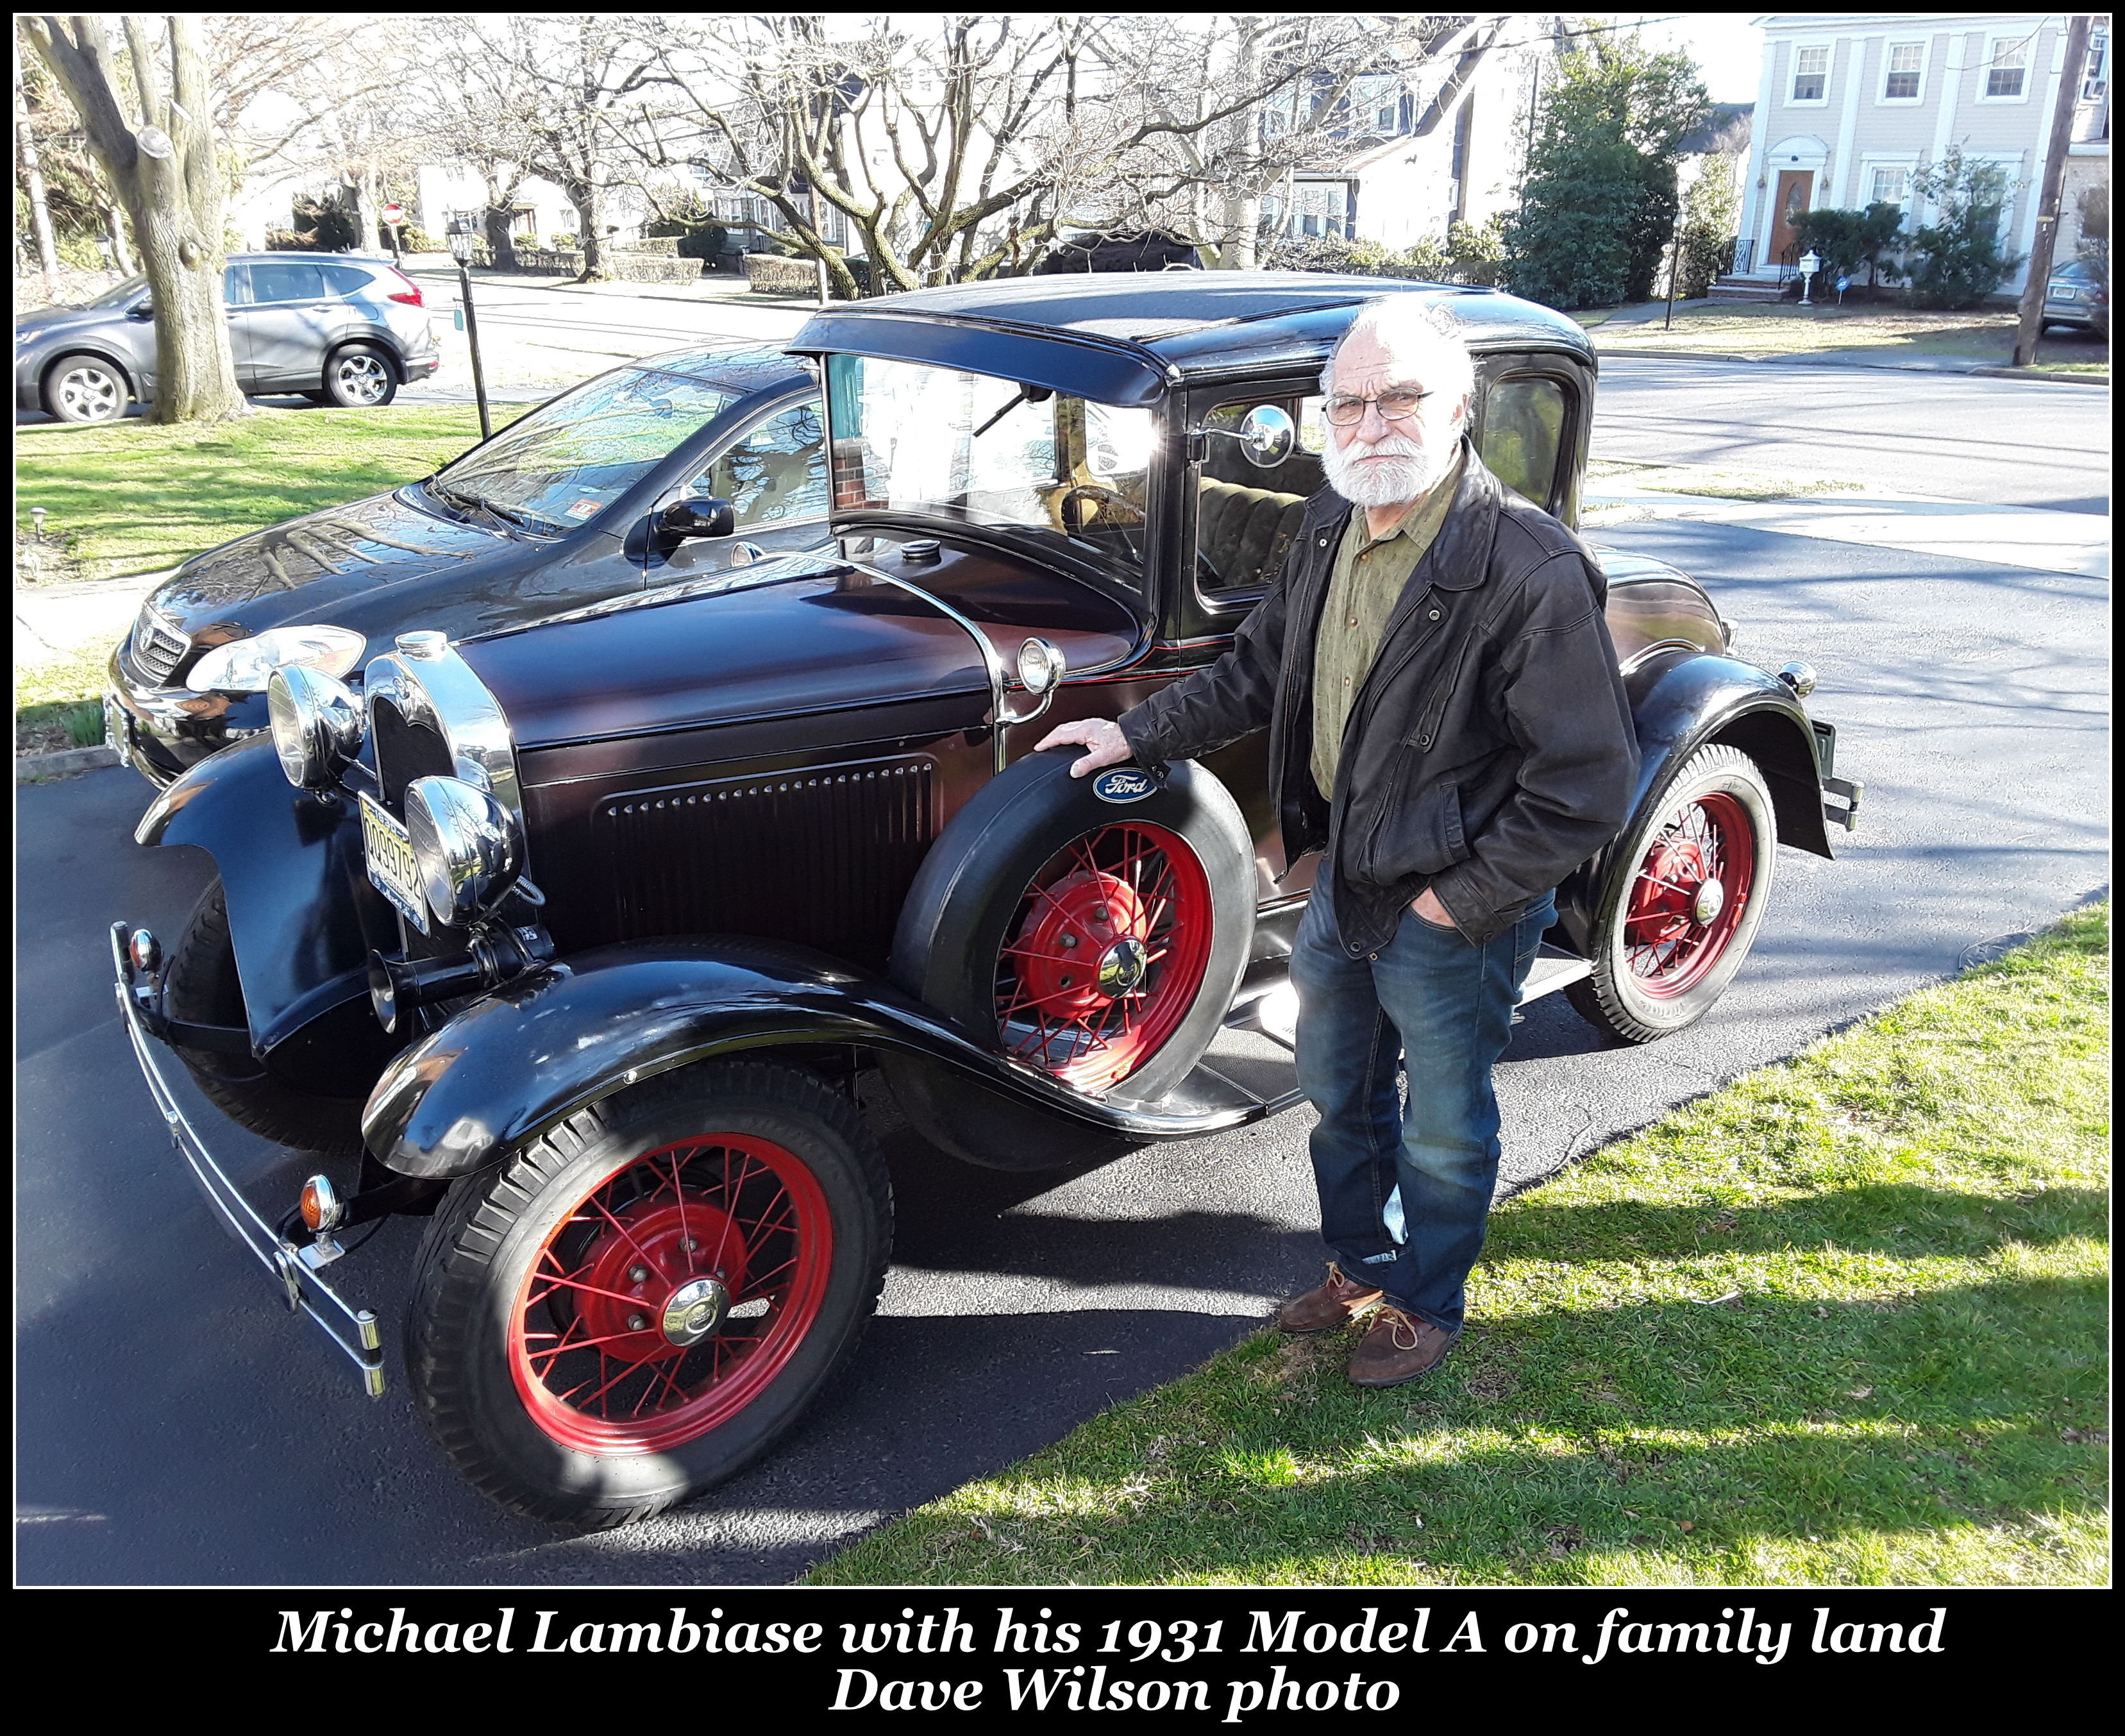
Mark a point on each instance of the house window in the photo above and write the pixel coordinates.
(1811, 74)
(1889, 186)
(1906, 62)
(2005, 69)
(2095, 74)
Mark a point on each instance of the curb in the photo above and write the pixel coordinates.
(33, 766)
(2049, 379)
(1819, 358)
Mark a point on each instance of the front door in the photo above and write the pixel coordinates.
(1794, 187)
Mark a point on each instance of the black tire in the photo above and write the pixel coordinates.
(474, 1325)
(1658, 967)
(86, 389)
(359, 377)
(308, 1093)
(1036, 825)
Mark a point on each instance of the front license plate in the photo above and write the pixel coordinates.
(389, 854)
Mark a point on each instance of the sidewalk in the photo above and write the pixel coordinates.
(2006, 536)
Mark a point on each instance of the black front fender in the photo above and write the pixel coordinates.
(302, 914)
(514, 1065)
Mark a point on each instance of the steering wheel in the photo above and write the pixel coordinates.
(1097, 492)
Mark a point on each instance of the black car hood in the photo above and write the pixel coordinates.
(378, 564)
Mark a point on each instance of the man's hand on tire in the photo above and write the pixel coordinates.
(1108, 746)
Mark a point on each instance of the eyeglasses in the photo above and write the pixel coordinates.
(1397, 406)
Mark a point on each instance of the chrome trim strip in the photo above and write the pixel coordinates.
(443, 693)
(992, 659)
(773, 570)
(353, 1329)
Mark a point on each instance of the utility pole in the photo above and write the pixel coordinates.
(2047, 201)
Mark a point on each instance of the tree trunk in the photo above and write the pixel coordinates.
(121, 249)
(588, 202)
(501, 238)
(165, 174)
(41, 217)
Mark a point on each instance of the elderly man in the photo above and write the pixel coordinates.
(1447, 724)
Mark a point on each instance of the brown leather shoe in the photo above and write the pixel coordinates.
(1399, 1347)
(1337, 1300)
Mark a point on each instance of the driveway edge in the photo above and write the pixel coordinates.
(29, 767)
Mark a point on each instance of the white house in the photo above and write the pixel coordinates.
(1444, 142)
(1852, 104)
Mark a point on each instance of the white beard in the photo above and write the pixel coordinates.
(1416, 470)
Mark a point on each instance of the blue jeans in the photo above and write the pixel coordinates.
(1404, 1194)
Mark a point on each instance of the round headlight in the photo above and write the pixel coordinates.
(468, 848)
(317, 725)
(1040, 666)
(246, 665)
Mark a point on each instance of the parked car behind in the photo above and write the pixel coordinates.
(2076, 295)
(337, 328)
(537, 519)
(577, 933)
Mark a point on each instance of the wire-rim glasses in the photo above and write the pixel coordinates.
(1398, 405)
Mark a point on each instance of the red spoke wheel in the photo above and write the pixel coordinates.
(1107, 955)
(638, 1304)
(1683, 898)
(1094, 931)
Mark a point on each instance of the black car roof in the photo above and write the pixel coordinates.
(741, 363)
(1121, 338)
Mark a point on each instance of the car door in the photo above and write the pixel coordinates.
(236, 302)
(774, 475)
(289, 324)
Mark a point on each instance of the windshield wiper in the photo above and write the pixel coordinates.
(469, 502)
(1025, 394)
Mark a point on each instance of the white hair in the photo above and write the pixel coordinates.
(1410, 329)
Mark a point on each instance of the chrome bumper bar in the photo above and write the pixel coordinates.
(294, 1269)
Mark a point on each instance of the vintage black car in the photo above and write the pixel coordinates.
(578, 934)
(533, 521)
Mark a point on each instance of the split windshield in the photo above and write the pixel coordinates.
(568, 460)
(936, 442)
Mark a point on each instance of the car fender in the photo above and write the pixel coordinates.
(524, 1058)
(1680, 702)
(302, 914)
(103, 350)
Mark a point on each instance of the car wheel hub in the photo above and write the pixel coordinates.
(1085, 945)
(1710, 900)
(659, 1278)
(694, 1310)
(1689, 895)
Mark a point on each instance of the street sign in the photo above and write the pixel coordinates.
(394, 214)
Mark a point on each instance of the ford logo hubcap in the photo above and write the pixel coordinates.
(1122, 966)
(694, 1310)
(1710, 899)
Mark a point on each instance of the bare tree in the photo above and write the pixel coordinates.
(967, 147)
(33, 179)
(480, 106)
(165, 172)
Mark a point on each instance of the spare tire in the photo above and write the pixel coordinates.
(1094, 927)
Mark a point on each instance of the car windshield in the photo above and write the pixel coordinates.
(568, 460)
(932, 442)
(2072, 268)
(119, 296)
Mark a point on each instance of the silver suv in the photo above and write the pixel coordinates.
(342, 328)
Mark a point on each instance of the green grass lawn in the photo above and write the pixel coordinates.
(1782, 329)
(1842, 1322)
(133, 496)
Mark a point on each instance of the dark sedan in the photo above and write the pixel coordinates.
(337, 328)
(548, 515)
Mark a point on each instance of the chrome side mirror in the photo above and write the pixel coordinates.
(1268, 435)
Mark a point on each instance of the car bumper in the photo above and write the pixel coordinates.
(293, 1268)
(420, 367)
(161, 733)
(2074, 312)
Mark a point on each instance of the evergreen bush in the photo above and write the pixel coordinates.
(1956, 260)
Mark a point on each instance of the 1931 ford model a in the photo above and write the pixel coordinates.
(577, 934)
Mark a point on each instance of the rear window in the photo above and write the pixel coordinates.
(347, 279)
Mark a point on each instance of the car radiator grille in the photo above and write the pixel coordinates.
(821, 856)
(405, 751)
(158, 648)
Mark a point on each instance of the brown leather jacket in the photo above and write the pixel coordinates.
(1491, 749)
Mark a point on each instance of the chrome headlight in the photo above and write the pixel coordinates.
(1040, 666)
(247, 664)
(317, 725)
(468, 848)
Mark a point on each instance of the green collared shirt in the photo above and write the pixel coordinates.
(1363, 589)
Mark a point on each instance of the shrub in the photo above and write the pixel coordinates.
(1468, 255)
(1709, 216)
(560, 241)
(415, 239)
(324, 225)
(1956, 260)
(1845, 241)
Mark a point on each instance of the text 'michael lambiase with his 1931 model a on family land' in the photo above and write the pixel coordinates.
(577, 933)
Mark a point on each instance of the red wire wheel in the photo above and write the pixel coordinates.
(1689, 894)
(1105, 953)
(670, 1295)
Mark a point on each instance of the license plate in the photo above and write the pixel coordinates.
(388, 853)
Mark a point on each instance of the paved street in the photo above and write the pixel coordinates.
(203, 1437)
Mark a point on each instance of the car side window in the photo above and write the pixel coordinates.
(1523, 433)
(345, 279)
(235, 286)
(286, 280)
(1246, 517)
(777, 469)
